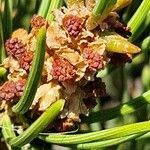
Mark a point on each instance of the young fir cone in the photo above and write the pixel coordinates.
(74, 55)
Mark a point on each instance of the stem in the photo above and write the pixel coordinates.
(44, 7)
(34, 76)
(7, 18)
(146, 44)
(54, 4)
(108, 70)
(2, 49)
(96, 125)
(144, 27)
(144, 136)
(117, 132)
(131, 9)
(107, 143)
(139, 17)
(103, 6)
(7, 129)
(38, 126)
(123, 109)
(99, 13)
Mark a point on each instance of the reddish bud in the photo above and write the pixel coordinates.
(38, 21)
(25, 60)
(10, 90)
(94, 60)
(15, 47)
(62, 69)
(73, 25)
